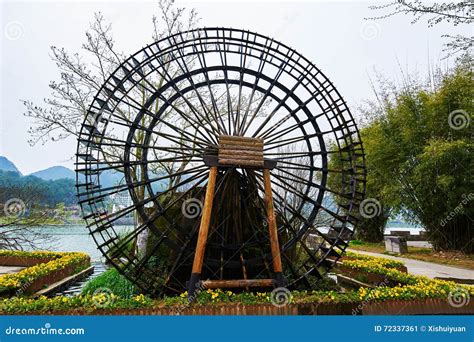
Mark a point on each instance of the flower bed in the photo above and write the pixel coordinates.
(376, 271)
(26, 259)
(412, 295)
(383, 262)
(432, 293)
(45, 269)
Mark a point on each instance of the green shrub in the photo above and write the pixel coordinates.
(113, 281)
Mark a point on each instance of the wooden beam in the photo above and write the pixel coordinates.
(225, 153)
(272, 228)
(205, 220)
(248, 147)
(242, 162)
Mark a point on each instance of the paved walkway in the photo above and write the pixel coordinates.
(10, 269)
(428, 269)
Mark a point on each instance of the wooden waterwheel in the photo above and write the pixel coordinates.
(235, 161)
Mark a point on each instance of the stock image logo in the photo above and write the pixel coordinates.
(14, 30)
(459, 297)
(280, 297)
(191, 208)
(369, 30)
(103, 297)
(459, 119)
(370, 208)
(14, 207)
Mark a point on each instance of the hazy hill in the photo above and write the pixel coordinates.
(7, 165)
(54, 172)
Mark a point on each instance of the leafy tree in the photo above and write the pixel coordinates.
(419, 151)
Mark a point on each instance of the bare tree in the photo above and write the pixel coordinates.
(81, 77)
(23, 234)
(83, 73)
(456, 13)
(19, 219)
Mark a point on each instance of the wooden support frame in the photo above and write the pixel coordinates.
(238, 157)
(271, 220)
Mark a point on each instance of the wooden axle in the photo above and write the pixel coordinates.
(221, 284)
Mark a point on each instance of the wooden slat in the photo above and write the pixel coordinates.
(240, 151)
(253, 147)
(238, 138)
(243, 162)
(229, 153)
(239, 141)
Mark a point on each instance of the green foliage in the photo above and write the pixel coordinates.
(36, 191)
(419, 164)
(113, 281)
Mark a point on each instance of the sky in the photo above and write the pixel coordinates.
(333, 34)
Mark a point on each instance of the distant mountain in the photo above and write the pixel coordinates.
(7, 165)
(111, 178)
(55, 172)
(108, 178)
(36, 191)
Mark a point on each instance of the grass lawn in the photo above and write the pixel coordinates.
(419, 253)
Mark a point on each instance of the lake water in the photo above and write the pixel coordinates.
(72, 238)
(76, 238)
(69, 238)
